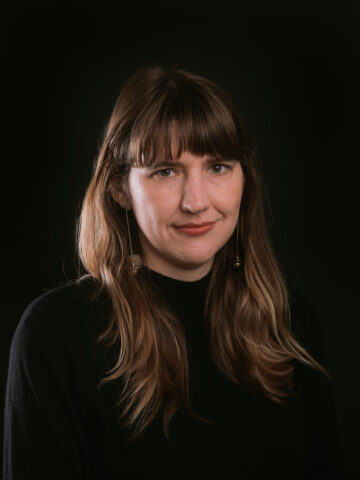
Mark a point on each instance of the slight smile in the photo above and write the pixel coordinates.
(195, 228)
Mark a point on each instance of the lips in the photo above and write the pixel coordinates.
(195, 228)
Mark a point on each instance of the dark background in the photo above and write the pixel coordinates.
(293, 70)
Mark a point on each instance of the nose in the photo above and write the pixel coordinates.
(195, 198)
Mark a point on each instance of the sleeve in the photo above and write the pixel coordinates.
(324, 453)
(42, 434)
(324, 456)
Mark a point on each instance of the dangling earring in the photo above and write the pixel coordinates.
(237, 263)
(134, 261)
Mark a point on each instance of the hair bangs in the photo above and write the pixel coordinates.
(184, 119)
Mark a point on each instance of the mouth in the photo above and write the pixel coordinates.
(193, 229)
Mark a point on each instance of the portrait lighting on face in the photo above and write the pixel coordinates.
(186, 211)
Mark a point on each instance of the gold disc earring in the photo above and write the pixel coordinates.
(237, 263)
(134, 262)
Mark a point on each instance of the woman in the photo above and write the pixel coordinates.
(181, 350)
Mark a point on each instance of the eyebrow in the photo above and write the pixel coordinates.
(175, 163)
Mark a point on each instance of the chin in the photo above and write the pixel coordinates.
(196, 261)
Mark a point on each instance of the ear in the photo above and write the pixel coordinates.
(121, 198)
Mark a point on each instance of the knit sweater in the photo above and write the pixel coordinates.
(60, 425)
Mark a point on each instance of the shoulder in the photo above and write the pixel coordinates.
(62, 313)
(306, 327)
(305, 323)
(54, 348)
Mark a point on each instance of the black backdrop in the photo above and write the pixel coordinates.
(292, 68)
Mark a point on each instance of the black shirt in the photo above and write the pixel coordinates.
(60, 425)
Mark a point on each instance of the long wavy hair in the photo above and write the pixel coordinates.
(247, 310)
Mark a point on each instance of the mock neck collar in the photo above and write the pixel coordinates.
(186, 284)
(185, 298)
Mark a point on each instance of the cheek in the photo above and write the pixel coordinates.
(150, 210)
(153, 206)
(231, 199)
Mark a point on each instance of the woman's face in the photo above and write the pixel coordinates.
(186, 210)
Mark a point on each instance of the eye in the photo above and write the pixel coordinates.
(219, 168)
(165, 173)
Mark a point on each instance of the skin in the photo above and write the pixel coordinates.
(194, 190)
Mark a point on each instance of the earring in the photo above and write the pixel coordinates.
(237, 263)
(134, 262)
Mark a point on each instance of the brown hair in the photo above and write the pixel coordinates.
(248, 313)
